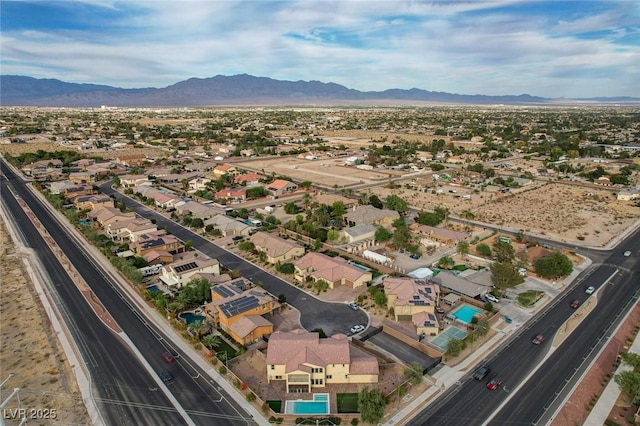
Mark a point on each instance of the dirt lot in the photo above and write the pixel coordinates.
(554, 211)
(29, 350)
(328, 172)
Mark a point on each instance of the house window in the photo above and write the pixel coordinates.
(329, 377)
(316, 370)
(316, 382)
(278, 378)
(273, 367)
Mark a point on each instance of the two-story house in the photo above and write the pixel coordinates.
(107, 215)
(129, 230)
(306, 362)
(414, 300)
(177, 274)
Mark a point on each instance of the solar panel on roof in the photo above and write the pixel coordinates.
(186, 267)
(223, 291)
(237, 306)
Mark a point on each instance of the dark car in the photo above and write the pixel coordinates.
(494, 383)
(537, 339)
(481, 372)
(575, 304)
(168, 357)
(166, 376)
(414, 256)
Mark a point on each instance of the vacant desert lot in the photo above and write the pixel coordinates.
(324, 172)
(30, 351)
(556, 211)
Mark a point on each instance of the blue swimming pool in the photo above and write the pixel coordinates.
(319, 405)
(153, 288)
(190, 317)
(464, 313)
(361, 267)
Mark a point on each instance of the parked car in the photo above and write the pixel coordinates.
(494, 383)
(414, 256)
(168, 357)
(575, 304)
(166, 376)
(537, 339)
(353, 305)
(357, 328)
(627, 253)
(491, 298)
(481, 372)
(590, 290)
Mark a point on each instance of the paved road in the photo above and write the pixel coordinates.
(128, 394)
(535, 378)
(315, 314)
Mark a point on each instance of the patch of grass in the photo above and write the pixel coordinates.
(460, 268)
(347, 402)
(528, 298)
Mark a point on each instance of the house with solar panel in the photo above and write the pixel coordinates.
(177, 274)
(277, 249)
(238, 308)
(305, 362)
(414, 300)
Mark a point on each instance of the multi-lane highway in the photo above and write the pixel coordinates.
(536, 378)
(126, 392)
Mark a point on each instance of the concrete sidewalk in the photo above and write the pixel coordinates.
(600, 412)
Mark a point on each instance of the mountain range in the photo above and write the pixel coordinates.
(246, 90)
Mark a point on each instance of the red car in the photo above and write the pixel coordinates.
(168, 357)
(494, 383)
(538, 339)
(575, 304)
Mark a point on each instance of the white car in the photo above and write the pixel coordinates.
(491, 298)
(357, 328)
(590, 290)
(627, 253)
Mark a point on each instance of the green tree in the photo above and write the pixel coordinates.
(371, 405)
(291, 208)
(396, 203)
(287, 268)
(196, 327)
(445, 262)
(556, 264)
(332, 234)
(375, 202)
(483, 250)
(380, 299)
(463, 248)
(428, 218)
(505, 275)
(503, 251)
(211, 341)
(413, 373)
(246, 246)
(454, 347)
(382, 234)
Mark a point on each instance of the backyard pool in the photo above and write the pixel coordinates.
(319, 405)
(190, 317)
(153, 288)
(464, 313)
(360, 267)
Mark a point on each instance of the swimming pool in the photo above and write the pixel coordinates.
(153, 288)
(360, 267)
(190, 317)
(319, 405)
(464, 313)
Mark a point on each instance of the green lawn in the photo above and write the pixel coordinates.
(530, 297)
(347, 402)
(460, 268)
(275, 405)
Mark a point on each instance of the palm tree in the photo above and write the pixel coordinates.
(196, 328)
(211, 341)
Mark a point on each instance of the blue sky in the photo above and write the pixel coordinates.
(544, 48)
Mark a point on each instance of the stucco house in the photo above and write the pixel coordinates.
(248, 179)
(305, 362)
(277, 249)
(370, 215)
(232, 194)
(358, 233)
(228, 225)
(107, 215)
(237, 307)
(130, 230)
(334, 270)
(411, 299)
(133, 181)
(92, 202)
(280, 187)
(179, 273)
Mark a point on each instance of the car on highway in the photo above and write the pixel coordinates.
(481, 372)
(494, 383)
(166, 376)
(537, 339)
(168, 357)
(590, 290)
(353, 305)
(575, 304)
(357, 328)
(627, 253)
